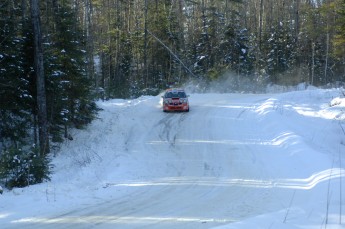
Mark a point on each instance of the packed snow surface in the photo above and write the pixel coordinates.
(233, 161)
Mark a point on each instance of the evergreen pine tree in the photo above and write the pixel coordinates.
(14, 85)
(71, 103)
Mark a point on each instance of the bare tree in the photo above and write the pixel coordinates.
(40, 79)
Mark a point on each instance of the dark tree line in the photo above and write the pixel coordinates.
(58, 56)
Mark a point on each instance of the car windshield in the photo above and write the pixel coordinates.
(181, 94)
(175, 94)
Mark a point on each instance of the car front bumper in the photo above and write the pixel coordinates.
(180, 107)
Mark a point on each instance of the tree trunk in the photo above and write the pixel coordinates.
(40, 80)
(260, 22)
(90, 42)
(145, 45)
(326, 57)
(297, 22)
(312, 63)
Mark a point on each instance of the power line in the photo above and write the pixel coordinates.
(172, 53)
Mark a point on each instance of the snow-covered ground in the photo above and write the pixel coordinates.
(233, 161)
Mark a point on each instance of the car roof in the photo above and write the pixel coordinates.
(174, 89)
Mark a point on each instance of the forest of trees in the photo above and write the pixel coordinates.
(258, 41)
(58, 56)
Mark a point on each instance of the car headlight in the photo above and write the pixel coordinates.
(183, 100)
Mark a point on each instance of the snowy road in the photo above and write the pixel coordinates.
(231, 158)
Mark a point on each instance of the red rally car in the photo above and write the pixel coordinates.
(175, 99)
